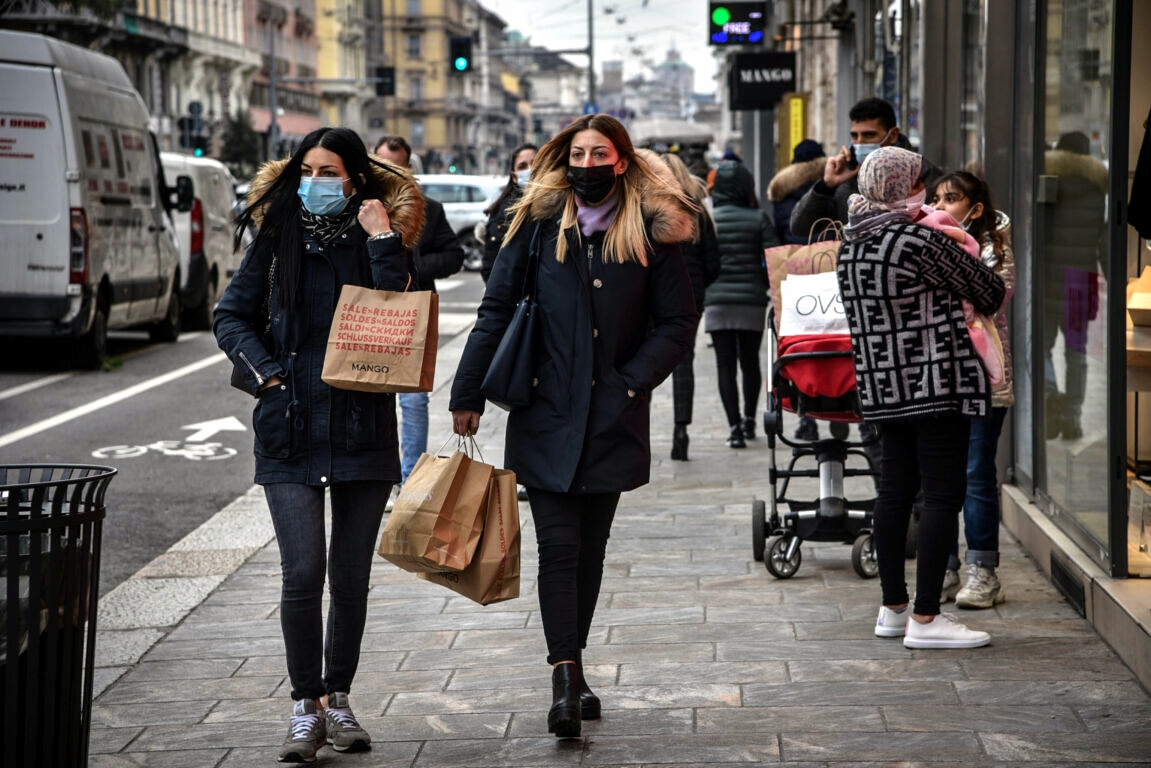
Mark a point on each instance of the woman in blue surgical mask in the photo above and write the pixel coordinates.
(328, 216)
(968, 199)
(519, 173)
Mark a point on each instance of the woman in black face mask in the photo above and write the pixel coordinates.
(595, 237)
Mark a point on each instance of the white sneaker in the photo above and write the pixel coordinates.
(943, 632)
(891, 623)
(982, 589)
(950, 586)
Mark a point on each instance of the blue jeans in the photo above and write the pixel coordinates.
(981, 506)
(298, 517)
(413, 430)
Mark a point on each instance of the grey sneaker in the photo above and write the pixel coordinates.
(305, 734)
(982, 589)
(950, 586)
(345, 734)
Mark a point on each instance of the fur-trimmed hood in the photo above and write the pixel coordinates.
(669, 220)
(402, 197)
(795, 176)
(1060, 162)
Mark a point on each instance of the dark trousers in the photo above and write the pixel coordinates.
(928, 454)
(683, 388)
(571, 533)
(298, 517)
(737, 348)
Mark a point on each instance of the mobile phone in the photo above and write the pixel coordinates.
(852, 164)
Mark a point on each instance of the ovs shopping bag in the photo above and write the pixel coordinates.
(811, 304)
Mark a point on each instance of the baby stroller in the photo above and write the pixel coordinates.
(813, 375)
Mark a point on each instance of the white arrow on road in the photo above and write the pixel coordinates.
(206, 429)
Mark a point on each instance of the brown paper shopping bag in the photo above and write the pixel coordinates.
(436, 522)
(493, 574)
(383, 341)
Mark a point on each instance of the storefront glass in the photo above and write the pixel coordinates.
(1071, 268)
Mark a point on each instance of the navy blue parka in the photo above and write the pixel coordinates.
(305, 430)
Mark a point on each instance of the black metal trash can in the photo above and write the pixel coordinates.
(50, 524)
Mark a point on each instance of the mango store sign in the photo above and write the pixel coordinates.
(760, 80)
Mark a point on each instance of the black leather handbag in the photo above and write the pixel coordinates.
(508, 382)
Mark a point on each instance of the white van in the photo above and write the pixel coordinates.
(207, 259)
(87, 242)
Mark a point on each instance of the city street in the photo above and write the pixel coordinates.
(165, 417)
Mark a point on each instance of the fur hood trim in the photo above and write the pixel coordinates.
(1060, 162)
(669, 221)
(795, 176)
(402, 197)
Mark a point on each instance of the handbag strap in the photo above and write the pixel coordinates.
(533, 255)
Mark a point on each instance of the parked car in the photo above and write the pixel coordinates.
(207, 259)
(87, 240)
(464, 198)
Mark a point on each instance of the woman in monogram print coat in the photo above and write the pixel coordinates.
(919, 381)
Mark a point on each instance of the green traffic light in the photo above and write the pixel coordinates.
(461, 64)
(720, 16)
(451, 169)
(199, 152)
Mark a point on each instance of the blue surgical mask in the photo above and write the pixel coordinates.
(863, 150)
(523, 176)
(322, 196)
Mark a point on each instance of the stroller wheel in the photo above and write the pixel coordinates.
(758, 529)
(839, 430)
(863, 557)
(777, 562)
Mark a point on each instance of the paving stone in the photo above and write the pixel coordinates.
(197, 758)
(703, 672)
(961, 748)
(144, 693)
(708, 632)
(547, 752)
(218, 648)
(119, 647)
(748, 719)
(1098, 747)
(615, 721)
(142, 603)
(1021, 719)
(109, 740)
(188, 669)
(848, 693)
(806, 650)
(155, 713)
(200, 563)
(1051, 693)
(170, 738)
(621, 750)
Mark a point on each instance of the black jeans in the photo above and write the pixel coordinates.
(298, 517)
(571, 534)
(740, 348)
(929, 454)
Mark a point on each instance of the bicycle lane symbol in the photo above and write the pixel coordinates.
(195, 447)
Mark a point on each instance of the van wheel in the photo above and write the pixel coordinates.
(168, 329)
(200, 318)
(89, 349)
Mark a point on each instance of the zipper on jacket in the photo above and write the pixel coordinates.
(252, 368)
(590, 251)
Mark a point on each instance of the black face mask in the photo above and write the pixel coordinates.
(592, 184)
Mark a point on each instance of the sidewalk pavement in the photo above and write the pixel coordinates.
(700, 656)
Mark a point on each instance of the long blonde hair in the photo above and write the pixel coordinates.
(627, 237)
(693, 186)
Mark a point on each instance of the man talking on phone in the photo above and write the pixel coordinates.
(872, 126)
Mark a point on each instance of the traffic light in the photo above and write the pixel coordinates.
(185, 126)
(460, 53)
(200, 145)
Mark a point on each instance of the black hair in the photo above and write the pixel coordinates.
(513, 185)
(395, 144)
(873, 108)
(976, 190)
(279, 205)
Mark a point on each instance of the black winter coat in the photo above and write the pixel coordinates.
(609, 337)
(497, 227)
(743, 233)
(306, 431)
(438, 254)
(702, 258)
(785, 191)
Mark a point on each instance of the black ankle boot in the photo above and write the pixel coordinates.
(748, 428)
(736, 438)
(679, 443)
(564, 717)
(588, 701)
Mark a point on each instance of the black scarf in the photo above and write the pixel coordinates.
(327, 228)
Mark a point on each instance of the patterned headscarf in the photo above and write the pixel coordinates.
(885, 179)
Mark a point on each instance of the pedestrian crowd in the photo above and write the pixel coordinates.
(626, 253)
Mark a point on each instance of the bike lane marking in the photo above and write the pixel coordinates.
(104, 402)
(31, 385)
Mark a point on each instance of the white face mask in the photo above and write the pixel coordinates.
(523, 176)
